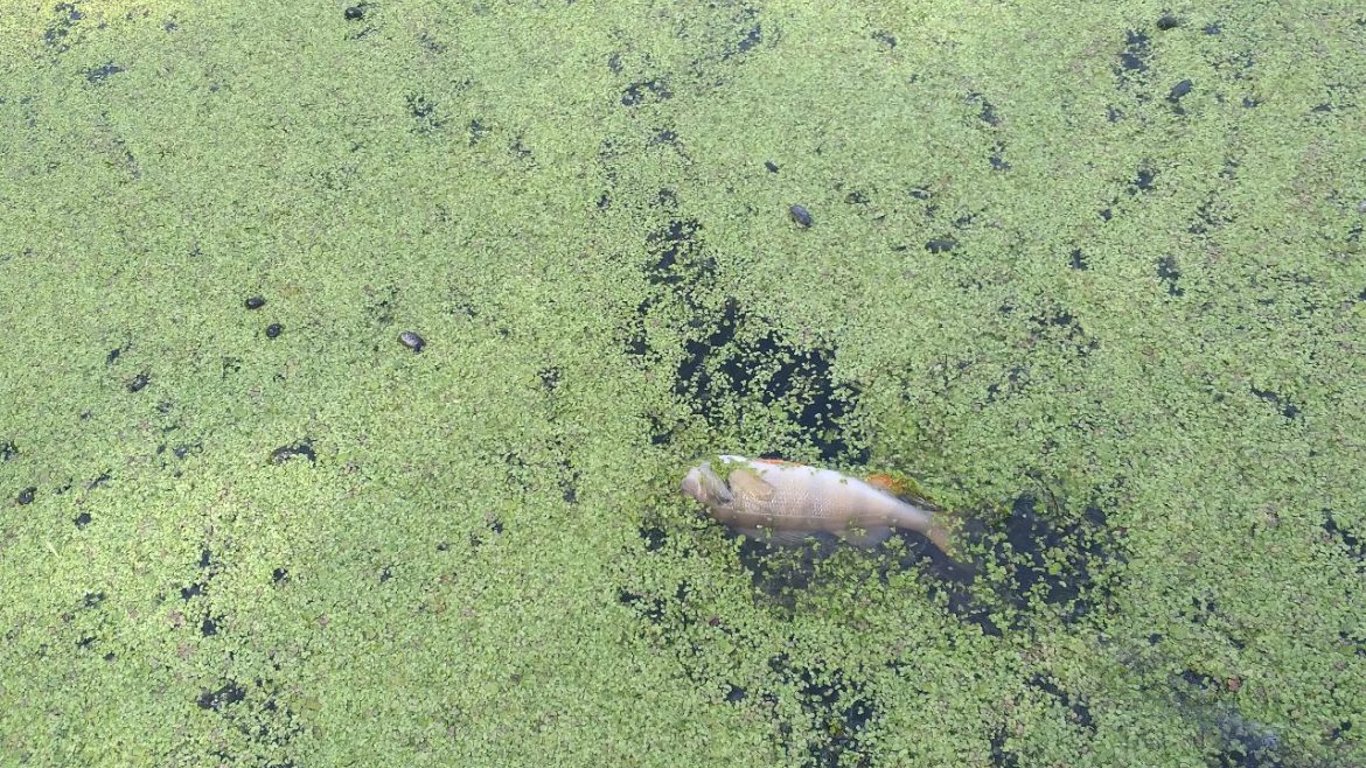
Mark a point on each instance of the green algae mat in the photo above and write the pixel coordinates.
(1093, 277)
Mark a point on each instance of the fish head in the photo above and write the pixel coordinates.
(704, 484)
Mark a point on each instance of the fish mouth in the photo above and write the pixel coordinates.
(692, 484)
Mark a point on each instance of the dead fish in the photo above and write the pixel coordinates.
(788, 502)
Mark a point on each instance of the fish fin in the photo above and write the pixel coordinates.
(889, 483)
(714, 486)
(867, 537)
(750, 484)
(942, 538)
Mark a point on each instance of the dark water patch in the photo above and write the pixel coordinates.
(997, 157)
(1206, 218)
(291, 451)
(1234, 740)
(840, 708)
(678, 256)
(8, 450)
(1170, 274)
(97, 75)
(1048, 563)
(1350, 539)
(427, 119)
(727, 372)
(259, 712)
(654, 90)
(1287, 407)
(1077, 260)
(1001, 756)
(941, 244)
(1133, 57)
(1079, 714)
(1058, 324)
(654, 538)
(1143, 180)
(780, 573)
(65, 18)
(228, 694)
(987, 111)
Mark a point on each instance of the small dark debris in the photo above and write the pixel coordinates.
(919, 193)
(138, 382)
(279, 575)
(255, 302)
(734, 694)
(85, 642)
(355, 13)
(1167, 22)
(386, 573)
(209, 627)
(92, 599)
(800, 215)
(941, 245)
(8, 450)
(412, 341)
(102, 479)
(82, 520)
(885, 39)
(771, 166)
(1213, 29)
(1180, 89)
(286, 452)
(194, 590)
(26, 496)
(496, 526)
(273, 330)
(1078, 261)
